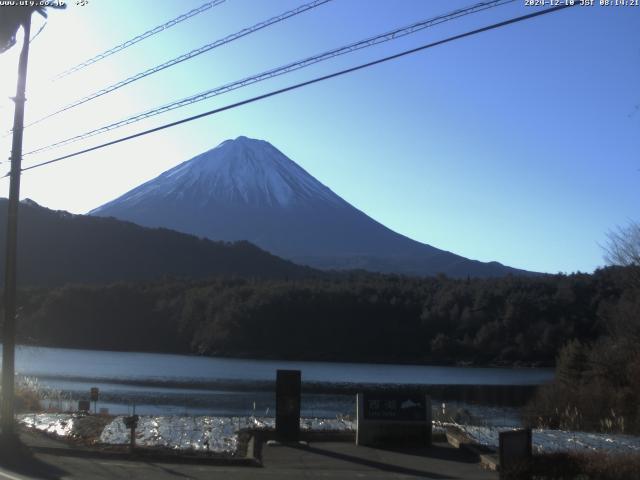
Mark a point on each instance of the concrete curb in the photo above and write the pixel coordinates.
(140, 454)
(259, 438)
(58, 447)
(251, 458)
(487, 457)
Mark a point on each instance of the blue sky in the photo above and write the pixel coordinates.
(518, 145)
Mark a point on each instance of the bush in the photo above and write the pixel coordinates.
(596, 386)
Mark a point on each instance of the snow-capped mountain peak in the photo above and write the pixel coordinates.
(242, 170)
(246, 189)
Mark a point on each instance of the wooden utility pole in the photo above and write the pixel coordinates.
(9, 330)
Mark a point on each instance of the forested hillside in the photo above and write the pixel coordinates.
(57, 247)
(357, 317)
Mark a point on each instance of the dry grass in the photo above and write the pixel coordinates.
(27, 400)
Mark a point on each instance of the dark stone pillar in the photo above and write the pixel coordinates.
(288, 390)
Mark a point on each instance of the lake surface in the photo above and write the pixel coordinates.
(160, 383)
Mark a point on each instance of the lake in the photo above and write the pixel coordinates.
(172, 384)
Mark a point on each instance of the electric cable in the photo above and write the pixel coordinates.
(290, 67)
(306, 83)
(149, 33)
(181, 58)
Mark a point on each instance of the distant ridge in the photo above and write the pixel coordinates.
(246, 189)
(57, 247)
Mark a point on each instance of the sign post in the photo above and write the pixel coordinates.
(393, 419)
(94, 396)
(131, 423)
(288, 393)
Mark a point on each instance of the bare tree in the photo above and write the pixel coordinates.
(623, 246)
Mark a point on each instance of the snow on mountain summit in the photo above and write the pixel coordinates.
(242, 170)
(246, 189)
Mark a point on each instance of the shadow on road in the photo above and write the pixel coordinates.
(371, 463)
(17, 458)
(168, 470)
(436, 452)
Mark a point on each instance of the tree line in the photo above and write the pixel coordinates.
(587, 325)
(349, 317)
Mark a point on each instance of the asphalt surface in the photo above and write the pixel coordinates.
(39, 457)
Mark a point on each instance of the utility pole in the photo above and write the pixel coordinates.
(9, 332)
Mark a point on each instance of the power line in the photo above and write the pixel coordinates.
(290, 67)
(160, 28)
(185, 56)
(306, 83)
(38, 32)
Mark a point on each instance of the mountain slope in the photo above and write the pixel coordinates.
(246, 189)
(56, 247)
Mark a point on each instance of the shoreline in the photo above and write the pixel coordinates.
(313, 359)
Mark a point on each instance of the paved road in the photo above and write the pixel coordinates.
(327, 460)
(347, 461)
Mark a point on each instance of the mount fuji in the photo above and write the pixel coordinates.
(246, 189)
